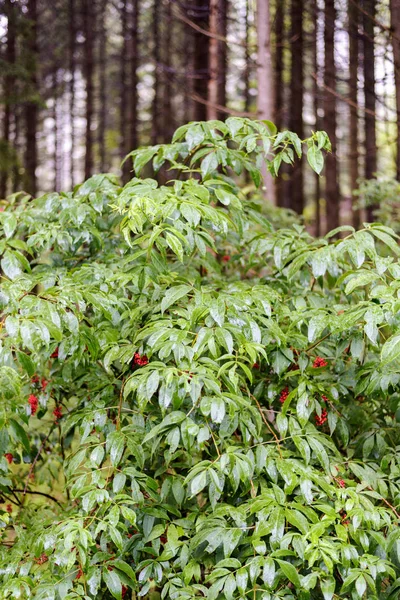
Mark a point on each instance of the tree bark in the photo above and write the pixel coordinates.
(222, 55)
(369, 7)
(332, 193)
(279, 84)
(265, 80)
(317, 180)
(31, 106)
(297, 101)
(123, 145)
(134, 60)
(8, 92)
(200, 16)
(353, 20)
(102, 86)
(155, 130)
(246, 74)
(56, 181)
(71, 41)
(168, 115)
(395, 28)
(213, 62)
(88, 26)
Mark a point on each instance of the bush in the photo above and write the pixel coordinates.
(193, 403)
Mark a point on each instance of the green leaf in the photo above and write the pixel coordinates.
(174, 294)
(290, 571)
(315, 159)
(113, 583)
(391, 349)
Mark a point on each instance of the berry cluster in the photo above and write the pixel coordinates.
(320, 420)
(284, 395)
(9, 457)
(42, 383)
(57, 412)
(140, 360)
(33, 402)
(341, 483)
(319, 362)
(42, 559)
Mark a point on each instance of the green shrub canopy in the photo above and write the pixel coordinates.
(194, 404)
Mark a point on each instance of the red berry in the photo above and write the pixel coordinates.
(341, 483)
(320, 420)
(319, 362)
(124, 590)
(35, 379)
(256, 366)
(44, 383)
(55, 354)
(57, 412)
(226, 258)
(33, 402)
(9, 458)
(140, 360)
(9, 508)
(79, 574)
(284, 395)
(324, 398)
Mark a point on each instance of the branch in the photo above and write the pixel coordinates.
(40, 494)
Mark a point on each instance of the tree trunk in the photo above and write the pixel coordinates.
(155, 130)
(168, 115)
(279, 84)
(317, 180)
(222, 55)
(31, 106)
(123, 145)
(8, 93)
(102, 85)
(213, 63)
(72, 40)
(395, 27)
(201, 12)
(332, 193)
(134, 60)
(265, 80)
(297, 101)
(56, 181)
(246, 74)
(353, 19)
(369, 94)
(88, 26)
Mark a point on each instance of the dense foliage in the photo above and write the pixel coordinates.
(193, 403)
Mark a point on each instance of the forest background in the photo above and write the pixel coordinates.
(83, 82)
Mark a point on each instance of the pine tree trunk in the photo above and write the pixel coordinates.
(201, 13)
(246, 74)
(31, 106)
(8, 92)
(369, 94)
(168, 114)
(265, 80)
(279, 84)
(332, 193)
(222, 55)
(123, 145)
(395, 27)
(88, 26)
(297, 101)
(155, 130)
(102, 85)
(72, 40)
(317, 180)
(353, 19)
(56, 182)
(213, 62)
(134, 60)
